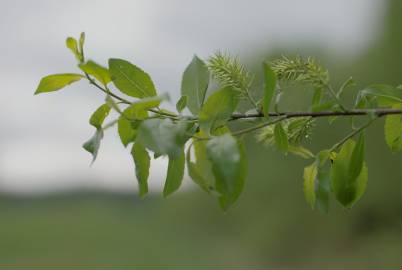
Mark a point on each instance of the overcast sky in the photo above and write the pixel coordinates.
(41, 136)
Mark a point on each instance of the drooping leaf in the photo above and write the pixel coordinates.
(281, 138)
(163, 136)
(269, 88)
(196, 173)
(323, 189)
(56, 82)
(99, 116)
(175, 174)
(93, 144)
(130, 79)
(99, 72)
(357, 158)
(203, 165)
(194, 84)
(229, 167)
(181, 104)
(347, 188)
(217, 109)
(317, 182)
(142, 163)
(309, 186)
(393, 130)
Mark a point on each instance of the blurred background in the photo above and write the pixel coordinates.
(56, 212)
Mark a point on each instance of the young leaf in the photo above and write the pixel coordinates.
(269, 88)
(130, 79)
(229, 167)
(81, 44)
(348, 187)
(142, 163)
(281, 138)
(71, 43)
(163, 136)
(174, 174)
(181, 104)
(93, 144)
(194, 84)
(393, 130)
(96, 70)
(217, 109)
(56, 82)
(99, 116)
(309, 176)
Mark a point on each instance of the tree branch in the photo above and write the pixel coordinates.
(377, 112)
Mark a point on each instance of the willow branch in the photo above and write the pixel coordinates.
(360, 112)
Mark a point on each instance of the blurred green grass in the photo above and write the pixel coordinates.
(271, 227)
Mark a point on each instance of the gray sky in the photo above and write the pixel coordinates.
(41, 136)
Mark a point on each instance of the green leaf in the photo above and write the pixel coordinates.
(300, 151)
(142, 163)
(196, 171)
(317, 183)
(309, 176)
(386, 95)
(357, 158)
(138, 109)
(348, 83)
(317, 96)
(130, 79)
(269, 88)
(72, 44)
(131, 117)
(175, 174)
(128, 130)
(323, 189)
(393, 130)
(194, 84)
(163, 136)
(229, 167)
(81, 44)
(348, 187)
(93, 144)
(99, 116)
(281, 138)
(99, 72)
(181, 104)
(329, 105)
(217, 109)
(56, 82)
